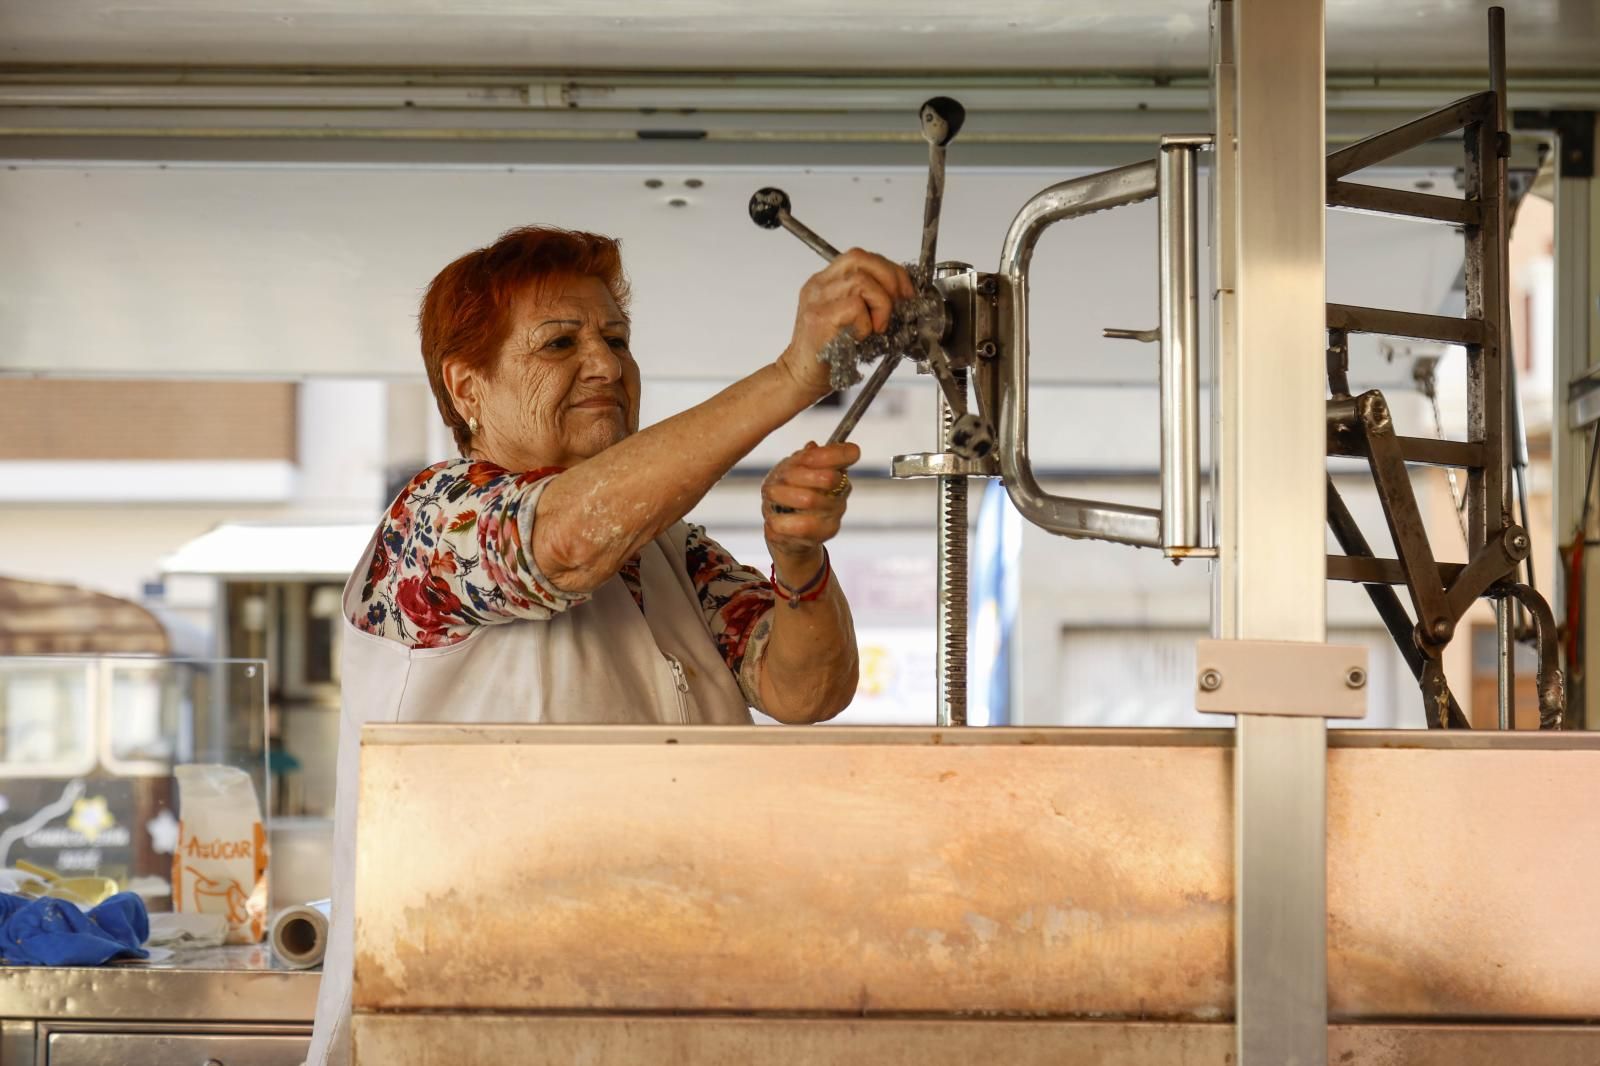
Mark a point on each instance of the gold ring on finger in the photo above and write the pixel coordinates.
(842, 487)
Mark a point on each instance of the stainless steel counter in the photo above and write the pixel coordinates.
(233, 1005)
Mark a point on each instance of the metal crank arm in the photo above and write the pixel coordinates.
(869, 392)
(1551, 681)
(1436, 696)
(1497, 560)
(1369, 415)
(769, 209)
(971, 436)
(1387, 603)
(942, 119)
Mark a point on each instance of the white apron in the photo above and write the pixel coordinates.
(602, 661)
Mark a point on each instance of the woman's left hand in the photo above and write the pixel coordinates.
(810, 668)
(803, 501)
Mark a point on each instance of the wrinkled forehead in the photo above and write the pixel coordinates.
(583, 299)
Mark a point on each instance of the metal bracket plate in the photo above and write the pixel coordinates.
(1576, 130)
(943, 464)
(1281, 677)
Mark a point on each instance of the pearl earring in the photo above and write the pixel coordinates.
(472, 425)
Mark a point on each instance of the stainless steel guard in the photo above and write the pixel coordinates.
(1098, 520)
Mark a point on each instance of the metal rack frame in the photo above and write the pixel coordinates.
(1360, 425)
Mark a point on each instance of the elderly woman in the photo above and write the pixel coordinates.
(547, 575)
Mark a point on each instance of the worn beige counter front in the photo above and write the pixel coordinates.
(1063, 874)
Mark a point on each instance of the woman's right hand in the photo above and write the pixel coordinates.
(856, 293)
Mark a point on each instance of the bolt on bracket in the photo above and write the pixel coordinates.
(1281, 677)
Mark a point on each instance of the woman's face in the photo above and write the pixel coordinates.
(565, 386)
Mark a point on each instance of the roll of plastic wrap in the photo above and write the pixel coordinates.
(299, 935)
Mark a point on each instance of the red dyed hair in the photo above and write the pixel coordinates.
(466, 313)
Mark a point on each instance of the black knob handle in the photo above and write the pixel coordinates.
(941, 120)
(765, 205)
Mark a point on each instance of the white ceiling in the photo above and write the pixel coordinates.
(794, 35)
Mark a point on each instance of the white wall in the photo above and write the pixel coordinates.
(110, 549)
(343, 449)
(96, 537)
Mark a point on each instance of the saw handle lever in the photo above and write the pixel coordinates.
(770, 209)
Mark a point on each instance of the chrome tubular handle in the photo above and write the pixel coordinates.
(1063, 515)
(1175, 528)
(1179, 277)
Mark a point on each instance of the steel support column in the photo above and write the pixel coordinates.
(1268, 63)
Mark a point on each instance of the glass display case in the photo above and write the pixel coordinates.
(88, 747)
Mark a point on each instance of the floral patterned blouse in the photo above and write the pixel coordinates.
(454, 553)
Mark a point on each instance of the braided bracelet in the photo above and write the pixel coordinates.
(811, 590)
